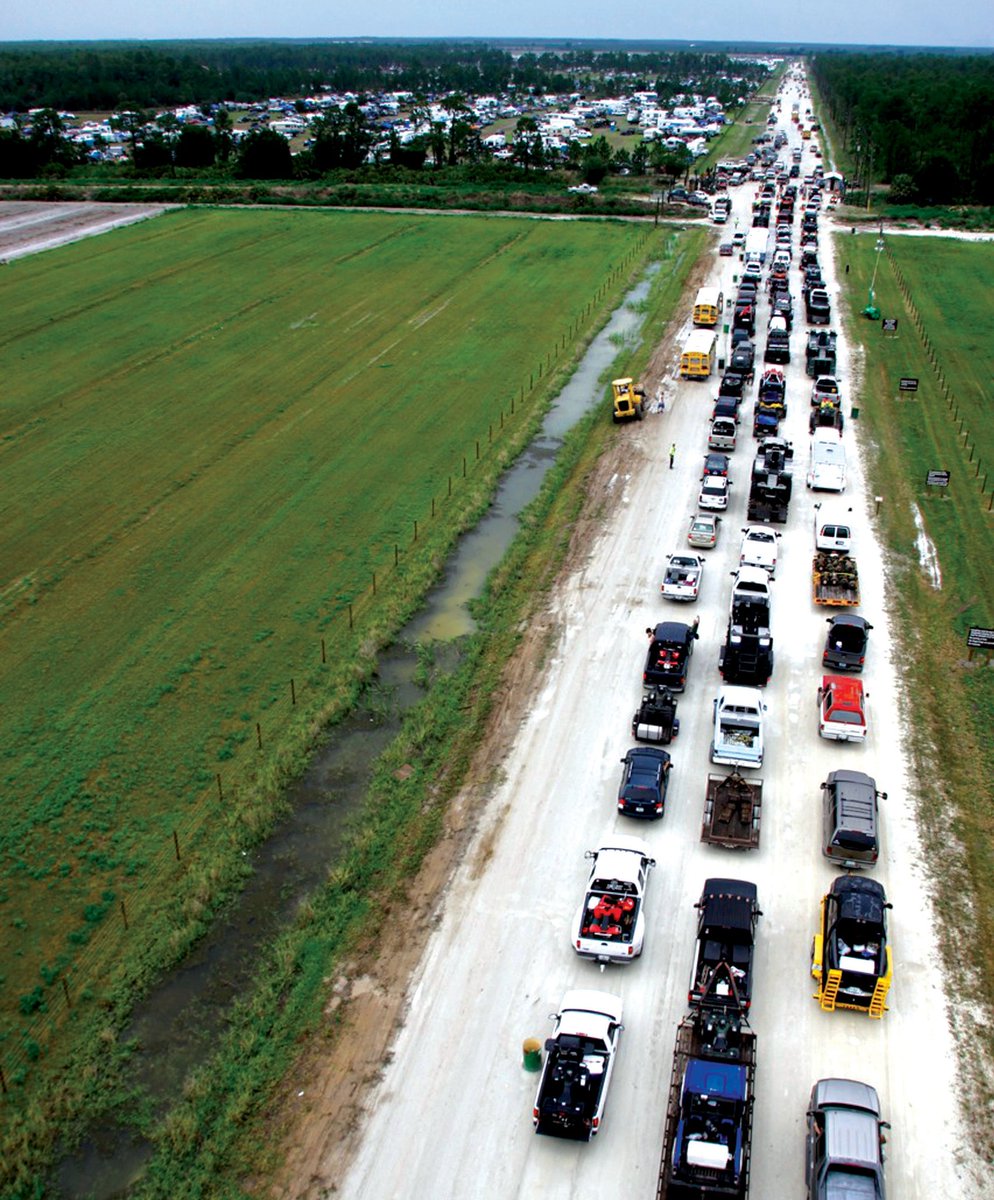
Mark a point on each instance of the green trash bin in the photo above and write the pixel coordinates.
(532, 1050)
(855, 413)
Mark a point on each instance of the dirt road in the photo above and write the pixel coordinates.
(27, 227)
(452, 1112)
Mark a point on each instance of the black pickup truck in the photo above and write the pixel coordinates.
(671, 643)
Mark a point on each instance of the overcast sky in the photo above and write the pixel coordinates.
(892, 22)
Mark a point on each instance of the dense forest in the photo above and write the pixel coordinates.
(923, 124)
(101, 77)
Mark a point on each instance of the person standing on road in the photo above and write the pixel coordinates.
(672, 454)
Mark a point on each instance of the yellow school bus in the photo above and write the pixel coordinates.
(697, 359)
(708, 306)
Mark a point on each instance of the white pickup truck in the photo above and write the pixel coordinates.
(682, 578)
(610, 925)
(738, 727)
(572, 1090)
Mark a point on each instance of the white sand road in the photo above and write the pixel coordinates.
(451, 1114)
(27, 227)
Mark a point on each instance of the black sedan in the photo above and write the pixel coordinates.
(715, 464)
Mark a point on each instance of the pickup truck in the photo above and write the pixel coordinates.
(732, 810)
(845, 645)
(722, 434)
(819, 307)
(682, 578)
(738, 727)
(671, 643)
(834, 579)
(845, 1139)
(708, 1137)
(851, 959)
(842, 709)
(576, 1075)
(610, 924)
(728, 912)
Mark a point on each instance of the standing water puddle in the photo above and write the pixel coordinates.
(178, 1024)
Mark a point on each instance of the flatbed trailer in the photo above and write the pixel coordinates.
(732, 809)
(834, 580)
(708, 1136)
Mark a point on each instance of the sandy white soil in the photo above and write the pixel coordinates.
(451, 1114)
(26, 227)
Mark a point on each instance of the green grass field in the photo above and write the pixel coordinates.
(946, 425)
(217, 426)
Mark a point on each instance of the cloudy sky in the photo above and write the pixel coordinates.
(894, 22)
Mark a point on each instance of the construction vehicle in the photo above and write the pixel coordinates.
(850, 957)
(834, 579)
(732, 809)
(708, 1136)
(629, 400)
(772, 482)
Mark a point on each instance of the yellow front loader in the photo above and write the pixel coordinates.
(629, 400)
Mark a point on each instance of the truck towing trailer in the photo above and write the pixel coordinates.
(708, 1135)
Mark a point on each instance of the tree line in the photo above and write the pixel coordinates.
(101, 77)
(922, 123)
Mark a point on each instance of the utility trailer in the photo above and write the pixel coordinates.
(655, 719)
(732, 809)
(708, 1136)
(834, 579)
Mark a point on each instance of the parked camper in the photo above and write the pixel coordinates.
(699, 353)
(708, 306)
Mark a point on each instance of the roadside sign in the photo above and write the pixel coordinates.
(889, 325)
(908, 384)
(980, 639)
(937, 479)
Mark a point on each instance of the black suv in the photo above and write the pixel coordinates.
(643, 782)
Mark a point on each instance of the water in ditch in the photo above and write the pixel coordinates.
(176, 1027)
